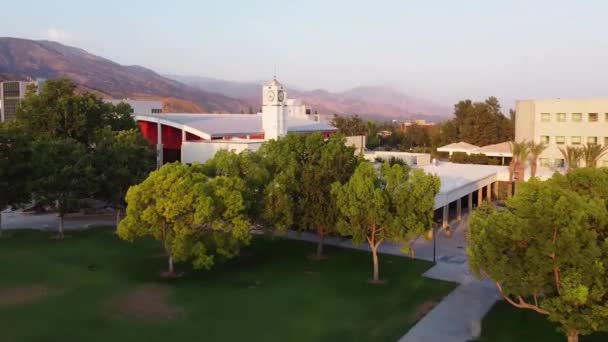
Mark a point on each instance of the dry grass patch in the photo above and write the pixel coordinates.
(22, 294)
(147, 302)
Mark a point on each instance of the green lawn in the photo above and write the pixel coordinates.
(93, 287)
(505, 323)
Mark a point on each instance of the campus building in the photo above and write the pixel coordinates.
(197, 137)
(560, 123)
(11, 92)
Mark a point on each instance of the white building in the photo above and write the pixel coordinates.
(11, 92)
(197, 137)
(562, 122)
(140, 106)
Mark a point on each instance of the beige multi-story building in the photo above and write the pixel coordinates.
(11, 92)
(562, 122)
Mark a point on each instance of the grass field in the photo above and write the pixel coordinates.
(94, 287)
(505, 323)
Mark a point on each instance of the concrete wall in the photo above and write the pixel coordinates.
(358, 142)
(201, 151)
(528, 124)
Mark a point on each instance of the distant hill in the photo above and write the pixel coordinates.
(29, 59)
(383, 103)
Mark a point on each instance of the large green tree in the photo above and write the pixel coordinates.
(390, 204)
(546, 252)
(299, 194)
(325, 163)
(59, 111)
(15, 167)
(251, 168)
(478, 123)
(62, 175)
(194, 217)
(120, 159)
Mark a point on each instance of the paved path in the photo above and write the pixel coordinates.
(19, 220)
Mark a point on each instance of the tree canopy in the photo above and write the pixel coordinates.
(196, 218)
(390, 204)
(546, 251)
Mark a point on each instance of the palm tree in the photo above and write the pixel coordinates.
(520, 152)
(535, 151)
(572, 156)
(591, 153)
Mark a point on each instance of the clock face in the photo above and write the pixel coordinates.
(270, 95)
(281, 96)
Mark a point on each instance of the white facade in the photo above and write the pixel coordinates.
(11, 92)
(560, 123)
(140, 106)
(201, 151)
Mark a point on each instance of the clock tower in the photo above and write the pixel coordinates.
(274, 111)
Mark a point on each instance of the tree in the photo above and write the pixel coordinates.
(193, 216)
(299, 194)
(62, 175)
(15, 168)
(326, 163)
(535, 151)
(57, 111)
(572, 156)
(387, 205)
(591, 153)
(520, 153)
(349, 125)
(248, 166)
(120, 159)
(480, 123)
(545, 252)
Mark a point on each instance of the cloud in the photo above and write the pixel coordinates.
(58, 35)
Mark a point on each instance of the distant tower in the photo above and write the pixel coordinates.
(274, 111)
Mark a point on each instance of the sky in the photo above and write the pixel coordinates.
(444, 51)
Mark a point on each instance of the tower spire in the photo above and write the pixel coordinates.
(274, 77)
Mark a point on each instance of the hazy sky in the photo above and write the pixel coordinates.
(441, 50)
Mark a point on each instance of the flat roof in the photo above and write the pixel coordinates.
(458, 180)
(234, 124)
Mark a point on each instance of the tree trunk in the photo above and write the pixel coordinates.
(572, 336)
(321, 234)
(117, 217)
(533, 167)
(61, 236)
(170, 271)
(376, 277)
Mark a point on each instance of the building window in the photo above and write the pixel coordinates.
(156, 111)
(545, 117)
(575, 140)
(606, 117)
(543, 162)
(577, 117)
(593, 117)
(544, 139)
(561, 117)
(560, 163)
(605, 141)
(592, 140)
(560, 140)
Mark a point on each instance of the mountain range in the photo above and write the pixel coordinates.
(30, 59)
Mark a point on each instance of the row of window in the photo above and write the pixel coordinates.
(574, 140)
(546, 162)
(574, 117)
